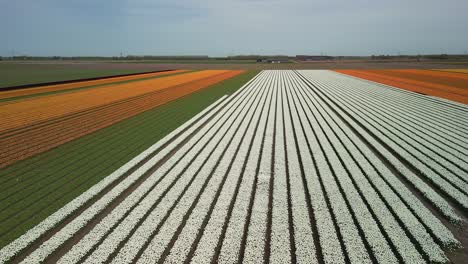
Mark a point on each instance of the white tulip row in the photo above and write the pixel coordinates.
(377, 118)
(422, 116)
(332, 251)
(370, 229)
(326, 169)
(420, 185)
(70, 229)
(422, 163)
(413, 118)
(363, 156)
(156, 183)
(181, 248)
(193, 125)
(50, 222)
(65, 233)
(205, 250)
(383, 215)
(280, 242)
(231, 245)
(408, 125)
(451, 113)
(161, 240)
(185, 155)
(258, 220)
(306, 252)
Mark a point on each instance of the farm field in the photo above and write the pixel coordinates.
(35, 187)
(15, 94)
(14, 74)
(308, 166)
(36, 125)
(448, 85)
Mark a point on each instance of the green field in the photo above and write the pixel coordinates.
(13, 74)
(34, 188)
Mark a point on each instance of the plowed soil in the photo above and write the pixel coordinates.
(74, 85)
(448, 85)
(15, 115)
(34, 139)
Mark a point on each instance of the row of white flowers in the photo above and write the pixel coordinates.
(435, 131)
(437, 179)
(420, 185)
(359, 152)
(232, 242)
(398, 134)
(429, 143)
(183, 157)
(332, 251)
(206, 247)
(302, 224)
(180, 249)
(70, 229)
(441, 233)
(280, 247)
(425, 121)
(383, 215)
(259, 216)
(442, 177)
(30, 236)
(95, 235)
(449, 111)
(372, 234)
(444, 130)
(353, 242)
(163, 237)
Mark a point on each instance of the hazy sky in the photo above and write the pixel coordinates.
(218, 27)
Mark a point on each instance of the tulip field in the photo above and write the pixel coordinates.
(307, 166)
(447, 84)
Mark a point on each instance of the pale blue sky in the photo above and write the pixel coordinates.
(228, 27)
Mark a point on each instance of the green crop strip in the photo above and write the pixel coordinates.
(12, 74)
(88, 87)
(34, 188)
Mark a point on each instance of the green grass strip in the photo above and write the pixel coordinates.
(46, 182)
